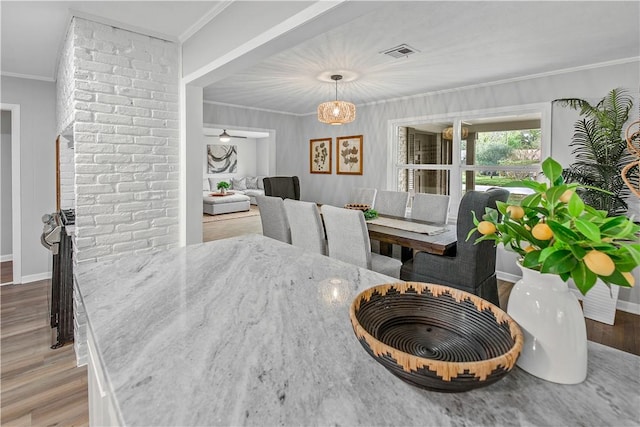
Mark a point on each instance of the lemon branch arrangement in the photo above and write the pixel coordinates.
(555, 232)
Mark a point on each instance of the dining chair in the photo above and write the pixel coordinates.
(348, 241)
(364, 196)
(471, 267)
(285, 187)
(307, 231)
(430, 207)
(274, 218)
(392, 203)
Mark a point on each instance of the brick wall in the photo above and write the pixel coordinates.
(124, 97)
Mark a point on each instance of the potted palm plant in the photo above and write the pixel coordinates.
(600, 151)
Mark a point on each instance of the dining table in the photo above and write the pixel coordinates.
(411, 234)
(253, 331)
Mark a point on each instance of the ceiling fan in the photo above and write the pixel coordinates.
(225, 137)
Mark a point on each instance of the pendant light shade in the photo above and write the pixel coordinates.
(336, 112)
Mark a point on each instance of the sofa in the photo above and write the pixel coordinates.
(251, 186)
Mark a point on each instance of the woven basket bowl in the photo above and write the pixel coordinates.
(357, 206)
(436, 337)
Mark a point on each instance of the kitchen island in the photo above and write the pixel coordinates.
(252, 331)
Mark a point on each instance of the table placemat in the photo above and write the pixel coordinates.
(408, 226)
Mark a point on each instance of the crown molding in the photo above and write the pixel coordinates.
(206, 18)
(266, 110)
(27, 76)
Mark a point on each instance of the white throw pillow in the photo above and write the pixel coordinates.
(261, 182)
(239, 184)
(252, 182)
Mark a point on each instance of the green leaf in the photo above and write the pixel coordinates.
(617, 279)
(502, 207)
(589, 229)
(578, 251)
(583, 277)
(552, 169)
(563, 233)
(553, 194)
(536, 186)
(531, 200)
(531, 260)
(576, 205)
(561, 261)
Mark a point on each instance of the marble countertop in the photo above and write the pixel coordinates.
(251, 331)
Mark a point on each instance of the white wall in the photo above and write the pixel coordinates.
(37, 173)
(5, 192)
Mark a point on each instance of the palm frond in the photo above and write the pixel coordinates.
(600, 150)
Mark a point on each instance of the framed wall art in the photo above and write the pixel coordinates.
(349, 155)
(222, 158)
(320, 155)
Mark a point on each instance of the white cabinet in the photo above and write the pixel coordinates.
(102, 409)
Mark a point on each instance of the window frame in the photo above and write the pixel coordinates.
(456, 169)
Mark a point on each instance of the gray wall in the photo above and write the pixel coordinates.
(5, 191)
(37, 170)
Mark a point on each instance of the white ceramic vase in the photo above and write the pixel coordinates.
(555, 333)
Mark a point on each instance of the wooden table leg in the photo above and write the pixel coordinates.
(386, 249)
(406, 254)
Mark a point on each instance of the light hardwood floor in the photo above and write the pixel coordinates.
(40, 386)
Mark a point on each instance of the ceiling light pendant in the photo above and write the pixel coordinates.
(224, 136)
(448, 133)
(336, 112)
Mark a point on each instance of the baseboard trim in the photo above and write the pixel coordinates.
(626, 306)
(5, 258)
(36, 277)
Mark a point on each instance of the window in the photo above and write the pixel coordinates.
(466, 152)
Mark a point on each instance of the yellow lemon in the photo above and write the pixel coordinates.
(600, 263)
(630, 278)
(542, 231)
(529, 249)
(566, 196)
(486, 227)
(515, 212)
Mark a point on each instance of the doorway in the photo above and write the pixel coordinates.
(11, 245)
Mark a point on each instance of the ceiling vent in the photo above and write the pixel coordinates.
(403, 50)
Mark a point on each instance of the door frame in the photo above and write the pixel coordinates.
(16, 217)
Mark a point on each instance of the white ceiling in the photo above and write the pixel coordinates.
(460, 44)
(33, 31)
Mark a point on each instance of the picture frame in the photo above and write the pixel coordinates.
(349, 155)
(222, 158)
(320, 155)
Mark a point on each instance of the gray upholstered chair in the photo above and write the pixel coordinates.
(274, 218)
(306, 226)
(348, 241)
(430, 207)
(364, 196)
(285, 187)
(472, 268)
(392, 203)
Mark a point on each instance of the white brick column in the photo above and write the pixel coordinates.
(124, 96)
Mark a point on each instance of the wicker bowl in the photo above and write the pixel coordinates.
(436, 337)
(357, 206)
